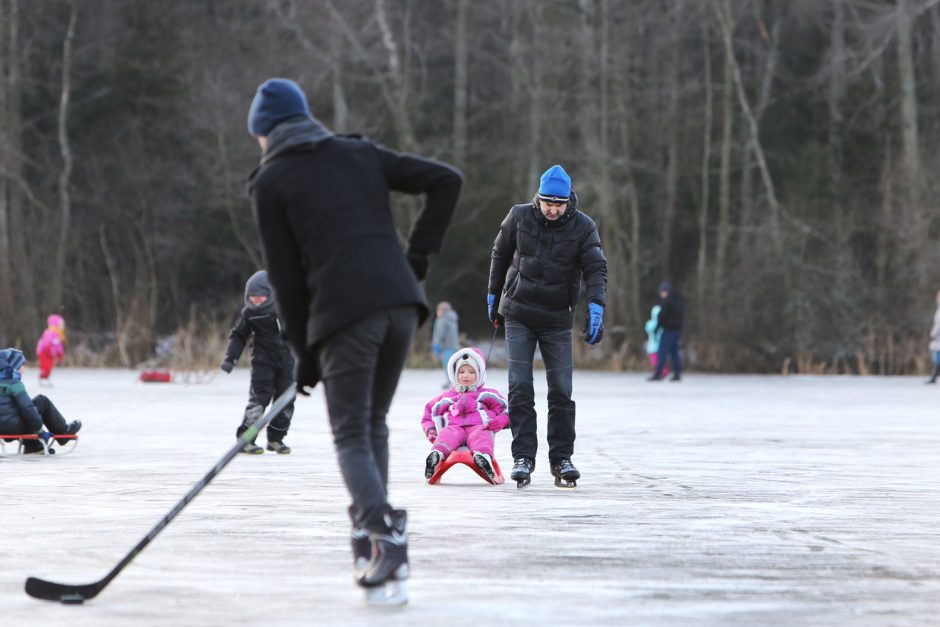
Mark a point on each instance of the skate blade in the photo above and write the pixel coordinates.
(566, 484)
(521, 483)
(393, 594)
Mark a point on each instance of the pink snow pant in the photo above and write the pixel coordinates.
(654, 361)
(477, 438)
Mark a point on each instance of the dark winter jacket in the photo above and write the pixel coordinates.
(670, 315)
(537, 265)
(324, 216)
(17, 412)
(260, 321)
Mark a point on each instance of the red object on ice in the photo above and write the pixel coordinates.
(156, 375)
(464, 456)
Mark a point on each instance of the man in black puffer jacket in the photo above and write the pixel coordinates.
(542, 252)
(348, 294)
(272, 366)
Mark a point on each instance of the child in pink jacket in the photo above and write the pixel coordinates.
(50, 350)
(473, 414)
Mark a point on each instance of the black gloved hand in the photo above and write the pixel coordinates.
(226, 366)
(419, 264)
(307, 373)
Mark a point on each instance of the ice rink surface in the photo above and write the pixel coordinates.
(721, 500)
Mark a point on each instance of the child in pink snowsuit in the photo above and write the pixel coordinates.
(473, 414)
(50, 350)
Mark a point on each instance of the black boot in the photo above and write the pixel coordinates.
(482, 461)
(431, 463)
(566, 475)
(74, 427)
(389, 551)
(522, 468)
(936, 373)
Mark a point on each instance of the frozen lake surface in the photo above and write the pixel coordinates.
(725, 500)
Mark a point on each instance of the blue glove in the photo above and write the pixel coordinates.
(594, 325)
(436, 348)
(492, 311)
(45, 435)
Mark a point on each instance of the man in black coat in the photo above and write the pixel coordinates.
(348, 295)
(670, 321)
(543, 250)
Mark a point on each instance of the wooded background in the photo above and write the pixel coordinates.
(772, 158)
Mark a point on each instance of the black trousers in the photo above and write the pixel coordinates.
(360, 367)
(267, 383)
(555, 345)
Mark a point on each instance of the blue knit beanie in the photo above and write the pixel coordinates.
(278, 99)
(555, 185)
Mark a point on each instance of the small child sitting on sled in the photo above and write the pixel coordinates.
(21, 414)
(473, 414)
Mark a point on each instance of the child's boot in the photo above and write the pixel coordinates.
(484, 463)
(936, 373)
(74, 427)
(252, 449)
(278, 447)
(431, 463)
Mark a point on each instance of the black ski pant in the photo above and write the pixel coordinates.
(52, 419)
(360, 366)
(267, 383)
(555, 346)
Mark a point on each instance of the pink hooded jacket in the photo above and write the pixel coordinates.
(50, 342)
(467, 408)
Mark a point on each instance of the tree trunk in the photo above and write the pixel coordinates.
(912, 198)
(397, 71)
(461, 83)
(724, 175)
(24, 315)
(673, 118)
(702, 265)
(6, 285)
(65, 150)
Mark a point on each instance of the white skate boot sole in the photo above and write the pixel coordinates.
(393, 594)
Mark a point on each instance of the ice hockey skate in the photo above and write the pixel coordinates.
(522, 468)
(566, 475)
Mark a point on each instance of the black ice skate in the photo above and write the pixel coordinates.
(482, 462)
(522, 468)
(73, 427)
(384, 576)
(566, 475)
(431, 463)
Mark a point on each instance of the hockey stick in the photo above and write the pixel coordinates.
(78, 593)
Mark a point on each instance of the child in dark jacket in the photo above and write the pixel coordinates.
(473, 414)
(272, 365)
(20, 414)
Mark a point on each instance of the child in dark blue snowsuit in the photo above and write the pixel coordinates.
(272, 365)
(20, 414)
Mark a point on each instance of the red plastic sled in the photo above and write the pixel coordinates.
(19, 438)
(156, 375)
(465, 457)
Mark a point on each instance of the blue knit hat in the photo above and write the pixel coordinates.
(278, 99)
(11, 360)
(555, 185)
